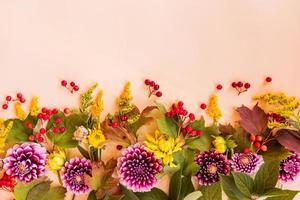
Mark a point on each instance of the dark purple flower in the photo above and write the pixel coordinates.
(289, 168)
(25, 162)
(246, 162)
(74, 172)
(138, 168)
(211, 165)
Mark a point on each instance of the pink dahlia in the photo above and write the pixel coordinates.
(211, 165)
(138, 168)
(246, 162)
(289, 168)
(25, 162)
(74, 172)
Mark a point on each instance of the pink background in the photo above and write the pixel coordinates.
(186, 46)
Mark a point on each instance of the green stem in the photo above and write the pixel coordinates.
(59, 178)
(99, 154)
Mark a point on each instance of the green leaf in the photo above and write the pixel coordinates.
(275, 192)
(231, 190)
(290, 194)
(180, 186)
(185, 160)
(21, 189)
(211, 192)
(193, 196)
(92, 196)
(198, 124)
(128, 194)
(275, 152)
(38, 191)
(244, 183)
(83, 152)
(202, 143)
(154, 194)
(167, 126)
(161, 108)
(139, 123)
(240, 136)
(266, 177)
(57, 193)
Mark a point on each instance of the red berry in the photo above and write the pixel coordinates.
(31, 138)
(239, 84)
(72, 84)
(29, 125)
(8, 98)
(40, 139)
(76, 88)
(158, 94)
(257, 145)
(233, 84)
(192, 116)
(219, 87)
(54, 111)
(268, 79)
(180, 103)
(45, 117)
(258, 138)
(152, 83)
(147, 82)
(199, 132)
(55, 130)
(64, 83)
(252, 137)
(203, 106)
(40, 116)
(114, 124)
(42, 131)
(247, 85)
(62, 129)
(124, 118)
(263, 148)
(246, 150)
(44, 110)
(67, 111)
(4, 106)
(19, 95)
(184, 112)
(119, 147)
(58, 120)
(22, 100)
(156, 87)
(193, 133)
(188, 129)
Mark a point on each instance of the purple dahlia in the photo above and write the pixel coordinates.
(246, 162)
(25, 162)
(289, 168)
(138, 168)
(74, 172)
(211, 165)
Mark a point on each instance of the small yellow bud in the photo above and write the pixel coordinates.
(56, 160)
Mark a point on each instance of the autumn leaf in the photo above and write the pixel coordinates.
(253, 120)
(290, 139)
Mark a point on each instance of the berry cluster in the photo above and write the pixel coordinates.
(7, 182)
(276, 117)
(57, 126)
(8, 99)
(72, 87)
(153, 88)
(38, 136)
(240, 87)
(259, 142)
(184, 118)
(46, 113)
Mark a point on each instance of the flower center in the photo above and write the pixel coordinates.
(288, 167)
(212, 169)
(21, 167)
(140, 169)
(245, 160)
(78, 179)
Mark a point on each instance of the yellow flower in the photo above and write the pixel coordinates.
(125, 97)
(34, 107)
(4, 130)
(19, 111)
(213, 109)
(220, 144)
(86, 97)
(163, 147)
(56, 160)
(95, 138)
(97, 106)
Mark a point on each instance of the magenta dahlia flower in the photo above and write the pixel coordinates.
(211, 165)
(289, 168)
(138, 168)
(74, 172)
(246, 162)
(25, 162)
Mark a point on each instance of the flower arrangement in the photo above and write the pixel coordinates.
(124, 154)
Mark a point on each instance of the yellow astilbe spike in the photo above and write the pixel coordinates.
(213, 109)
(4, 130)
(20, 113)
(97, 105)
(34, 107)
(86, 97)
(125, 97)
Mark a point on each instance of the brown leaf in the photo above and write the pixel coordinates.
(290, 139)
(147, 110)
(253, 121)
(226, 129)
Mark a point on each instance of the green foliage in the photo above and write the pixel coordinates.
(180, 186)
(211, 192)
(193, 196)
(167, 126)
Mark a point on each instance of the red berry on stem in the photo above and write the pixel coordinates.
(156, 87)
(152, 83)
(54, 111)
(19, 95)
(62, 129)
(44, 110)
(233, 84)
(252, 137)
(8, 98)
(246, 150)
(76, 88)
(268, 79)
(119, 147)
(67, 111)
(40, 139)
(263, 148)
(31, 138)
(55, 130)
(40, 116)
(29, 125)
(203, 106)
(45, 117)
(188, 129)
(64, 83)
(58, 120)
(42, 131)
(192, 116)
(147, 82)
(72, 84)
(240, 84)
(247, 85)
(219, 87)
(180, 103)
(22, 100)
(257, 145)
(258, 138)
(199, 132)
(4, 106)
(114, 124)
(158, 94)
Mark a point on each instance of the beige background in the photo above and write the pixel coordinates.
(186, 46)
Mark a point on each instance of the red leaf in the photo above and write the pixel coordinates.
(290, 139)
(253, 121)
